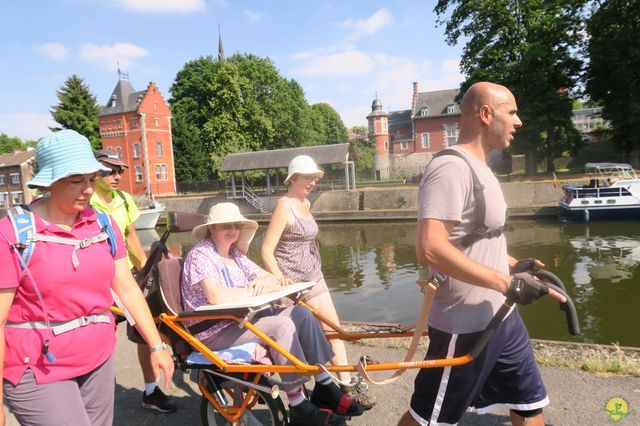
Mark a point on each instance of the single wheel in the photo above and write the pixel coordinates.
(262, 408)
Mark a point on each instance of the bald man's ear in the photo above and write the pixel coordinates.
(485, 113)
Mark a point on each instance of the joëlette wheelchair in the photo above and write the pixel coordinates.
(247, 393)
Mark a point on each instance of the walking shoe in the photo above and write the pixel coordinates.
(307, 414)
(359, 392)
(330, 396)
(158, 401)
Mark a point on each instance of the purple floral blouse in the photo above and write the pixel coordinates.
(203, 261)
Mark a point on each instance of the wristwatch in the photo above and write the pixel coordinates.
(160, 346)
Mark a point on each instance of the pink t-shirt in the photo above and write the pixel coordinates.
(68, 293)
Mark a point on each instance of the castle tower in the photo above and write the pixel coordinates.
(379, 135)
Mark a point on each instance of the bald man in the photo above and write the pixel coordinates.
(478, 273)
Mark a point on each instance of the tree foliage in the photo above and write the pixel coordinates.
(327, 124)
(77, 110)
(612, 72)
(530, 46)
(240, 105)
(9, 144)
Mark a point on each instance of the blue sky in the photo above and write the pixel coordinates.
(341, 52)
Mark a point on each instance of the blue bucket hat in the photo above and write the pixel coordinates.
(61, 154)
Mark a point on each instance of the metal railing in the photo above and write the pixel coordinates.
(245, 193)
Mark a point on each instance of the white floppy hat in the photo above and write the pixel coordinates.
(303, 165)
(61, 154)
(229, 213)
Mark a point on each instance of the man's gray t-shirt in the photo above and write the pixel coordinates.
(446, 193)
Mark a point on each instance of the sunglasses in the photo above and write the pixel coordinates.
(226, 226)
(111, 172)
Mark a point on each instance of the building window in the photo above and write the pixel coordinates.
(449, 109)
(136, 150)
(161, 172)
(425, 140)
(371, 127)
(4, 199)
(119, 124)
(385, 127)
(157, 121)
(119, 152)
(17, 198)
(386, 145)
(2, 180)
(138, 173)
(134, 123)
(15, 178)
(159, 149)
(404, 145)
(424, 112)
(451, 134)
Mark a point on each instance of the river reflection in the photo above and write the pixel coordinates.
(371, 270)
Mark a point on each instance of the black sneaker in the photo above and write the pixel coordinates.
(307, 414)
(330, 396)
(158, 401)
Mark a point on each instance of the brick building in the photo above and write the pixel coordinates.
(16, 169)
(405, 140)
(137, 126)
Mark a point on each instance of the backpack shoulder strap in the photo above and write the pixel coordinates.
(126, 203)
(24, 227)
(105, 225)
(478, 190)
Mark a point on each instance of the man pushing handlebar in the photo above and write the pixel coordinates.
(461, 224)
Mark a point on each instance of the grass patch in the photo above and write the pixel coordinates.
(592, 358)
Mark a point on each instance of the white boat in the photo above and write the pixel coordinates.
(149, 217)
(612, 193)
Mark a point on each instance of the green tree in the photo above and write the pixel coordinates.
(612, 72)
(9, 144)
(530, 46)
(327, 124)
(77, 110)
(281, 101)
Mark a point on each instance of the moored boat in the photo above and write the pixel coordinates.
(612, 193)
(149, 217)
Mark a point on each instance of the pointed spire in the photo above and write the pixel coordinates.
(220, 48)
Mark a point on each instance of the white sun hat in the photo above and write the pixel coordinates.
(303, 165)
(229, 213)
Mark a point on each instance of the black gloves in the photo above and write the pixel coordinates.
(525, 288)
(523, 265)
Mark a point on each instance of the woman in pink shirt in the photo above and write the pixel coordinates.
(58, 335)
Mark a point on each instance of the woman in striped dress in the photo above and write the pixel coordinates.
(290, 251)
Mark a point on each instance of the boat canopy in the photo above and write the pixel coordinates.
(614, 171)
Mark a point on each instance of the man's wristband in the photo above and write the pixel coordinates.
(158, 347)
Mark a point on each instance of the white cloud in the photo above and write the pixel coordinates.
(109, 57)
(370, 25)
(163, 5)
(26, 125)
(354, 116)
(351, 62)
(253, 15)
(55, 51)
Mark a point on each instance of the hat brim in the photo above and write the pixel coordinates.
(243, 242)
(317, 172)
(113, 162)
(45, 176)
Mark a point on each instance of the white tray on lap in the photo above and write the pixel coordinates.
(260, 300)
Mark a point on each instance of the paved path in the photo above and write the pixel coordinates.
(577, 397)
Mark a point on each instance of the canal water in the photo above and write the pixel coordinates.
(371, 270)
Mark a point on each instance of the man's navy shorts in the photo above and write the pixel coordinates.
(504, 374)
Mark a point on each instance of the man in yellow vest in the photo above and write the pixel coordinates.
(120, 205)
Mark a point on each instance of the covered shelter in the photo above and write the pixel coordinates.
(280, 158)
